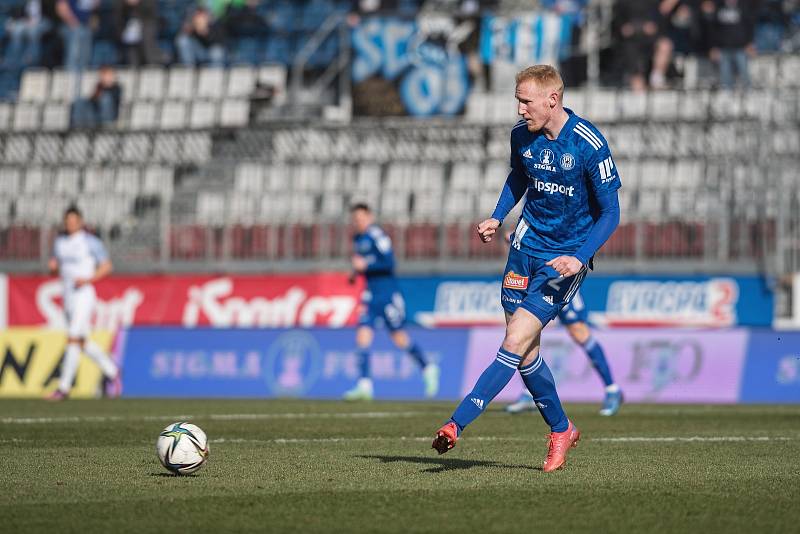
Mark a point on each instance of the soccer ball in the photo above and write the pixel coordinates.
(182, 448)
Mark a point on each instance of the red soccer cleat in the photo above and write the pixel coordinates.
(446, 438)
(56, 396)
(560, 443)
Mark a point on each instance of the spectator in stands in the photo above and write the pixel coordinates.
(641, 43)
(76, 30)
(107, 96)
(25, 27)
(200, 41)
(136, 30)
(242, 19)
(732, 33)
(772, 23)
(52, 44)
(102, 107)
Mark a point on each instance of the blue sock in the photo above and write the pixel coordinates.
(416, 353)
(363, 362)
(598, 357)
(489, 384)
(539, 381)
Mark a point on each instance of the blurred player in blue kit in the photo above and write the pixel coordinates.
(563, 163)
(382, 302)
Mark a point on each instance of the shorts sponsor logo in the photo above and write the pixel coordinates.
(513, 280)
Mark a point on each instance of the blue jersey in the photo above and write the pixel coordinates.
(376, 248)
(564, 178)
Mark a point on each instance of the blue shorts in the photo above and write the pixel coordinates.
(574, 312)
(387, 309)
(531, 284)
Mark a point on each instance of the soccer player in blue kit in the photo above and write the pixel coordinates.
(382, 302)
(575, 319)
(563, 162)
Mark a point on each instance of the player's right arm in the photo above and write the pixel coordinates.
(515, 187)
(52, 266)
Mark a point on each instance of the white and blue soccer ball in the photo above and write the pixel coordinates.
(182, 448)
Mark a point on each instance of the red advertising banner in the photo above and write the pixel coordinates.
(320, 299)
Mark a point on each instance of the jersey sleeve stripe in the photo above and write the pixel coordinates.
(588, 130)
(587, 134)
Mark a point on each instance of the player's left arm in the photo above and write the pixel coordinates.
(603, 182)
(104, 265)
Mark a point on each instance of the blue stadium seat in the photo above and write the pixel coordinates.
(248, 50)
(278, 50)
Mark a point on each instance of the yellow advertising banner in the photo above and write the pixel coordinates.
(30, 363)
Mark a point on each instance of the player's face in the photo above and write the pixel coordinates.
(72, 223)
(361, 220)
(535, 104)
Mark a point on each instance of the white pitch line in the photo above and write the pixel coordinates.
(213, 417)
(621, 439)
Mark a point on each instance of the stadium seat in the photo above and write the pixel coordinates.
(664, 105)
(55, 117)
(494, 177)
(196, 147)
(211, 207)
(421, 241)
(26, 117)
(181, 83)
(76, 148)
(234, 113)
(151, 84)
(88, 83)
(302, 207)
(35, 86)
(430, 177)
(67, 181)
(332, 206)
(395, 205)
(465, 175)
(275, 76)
(335, 176)
(459, 205)
(61, 86)
(127, 181)
(477, 105)
(249, 178)
(401, 176)
(306, 177)
(6, 114)
(211, 83)
(203, 115)
(47, 149)
(367, 177)
(144, 116)
(135, 148)
(575, 99)
(427, 206)
(789, 71)
(241, 80)
(128, 81)
(273, 207)
(37, 180)
(241, 208)
(10, 182)
(158, 180)
(18, 149)
(97, 179)
(602, 105)
(633, 105)
(173, 115)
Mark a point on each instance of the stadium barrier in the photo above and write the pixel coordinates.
(327, 299)
(651, 365)
(30, 363)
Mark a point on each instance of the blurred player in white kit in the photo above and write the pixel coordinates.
(80, 259)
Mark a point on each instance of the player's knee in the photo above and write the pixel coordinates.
(516, 341)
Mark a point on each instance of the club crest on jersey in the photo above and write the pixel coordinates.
(513, 280)
(546, 158)
(567, 161)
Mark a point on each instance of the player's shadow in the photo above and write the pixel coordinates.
(440, 465)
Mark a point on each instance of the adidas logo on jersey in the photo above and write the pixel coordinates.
(541, 405)
(527, 154)
(548, 299)
(477, 402)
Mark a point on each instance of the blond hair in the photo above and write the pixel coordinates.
(544, 76)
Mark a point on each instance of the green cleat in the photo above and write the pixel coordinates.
(362, 391)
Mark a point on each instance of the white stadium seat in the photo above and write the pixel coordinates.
(181, 83)
(18, 149)
(47, 149)
(144, 116)
(26, 117)
(211, 83)
(67, 181)
(151, 84)
(35, 85)
(204, 114)
(241, 81)
(55, 117)
(234, 113)
(173, 116)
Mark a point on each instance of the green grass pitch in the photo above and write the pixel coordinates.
(301, 466)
